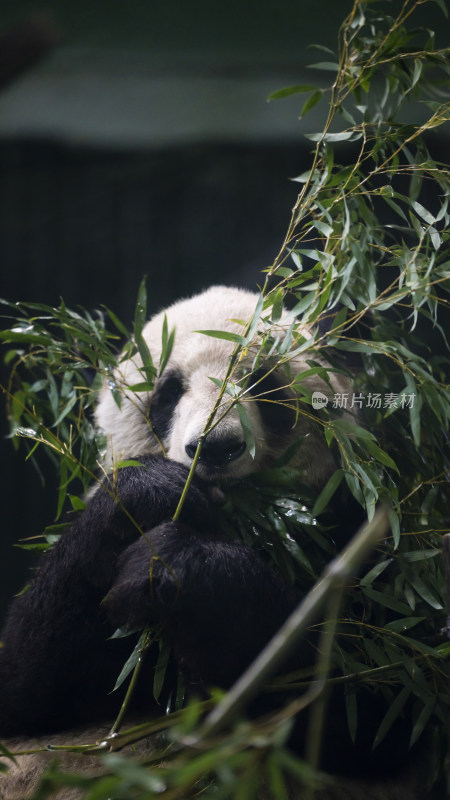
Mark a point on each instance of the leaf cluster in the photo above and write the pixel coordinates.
(59, 360)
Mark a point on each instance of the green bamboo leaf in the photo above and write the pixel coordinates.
(346, 114)
(39, 547)
(343, 136)
(323, 227)
(421, 555)
(422, 719)
(131, 775)
(256, 318)
(148, 367)
(76, 502)
(392, 714)
(394, 522)
(423, 590)
(403, 624)
(443, 6)
(386, 600)
(414, 409)
(376, 653)
(380, 455)
(434, 652)
(395, 206)
(375, 572)
(325, 65)
(231, 337)
(63, 481)
(288, 91)
(322, 48)
(143, 386)
(140, 314)
(131, 662)
(349, 428)
(247, 429)
(311, 102)
(277, 783)
(277, 308)
(161, 668)
(66, 409)
(167, 342)
(23, 337)
(423, 213)
(327, 492)
(304, 304)
(436, 239)
(417, 72)
(119, 325)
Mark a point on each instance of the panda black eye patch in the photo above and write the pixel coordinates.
(277, 417)
(164, 401)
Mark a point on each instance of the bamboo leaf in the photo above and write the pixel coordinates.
(231, 337)
(311, 102)
(391, 716)
(288, 91)
(332, 66)
(422, 719)
(247, 429)
(351, 705)
(375, 572)
(403, 624)
(256, 318)
(277, 308)
(380, 455)
(327, 492)
(161, 668)
(323, 227)
(423, 213)
(130, 663)
(167, 342)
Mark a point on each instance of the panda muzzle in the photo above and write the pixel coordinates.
(217, 452)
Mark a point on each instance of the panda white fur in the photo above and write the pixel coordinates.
(58, 665)
(186, 389)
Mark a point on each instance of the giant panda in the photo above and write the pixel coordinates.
(218, 600)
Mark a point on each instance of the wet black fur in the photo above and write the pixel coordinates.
(218, 601)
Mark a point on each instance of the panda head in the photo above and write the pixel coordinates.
(172, 417)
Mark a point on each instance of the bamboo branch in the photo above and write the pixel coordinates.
(339, 571)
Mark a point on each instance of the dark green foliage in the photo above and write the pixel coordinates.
(59, 359)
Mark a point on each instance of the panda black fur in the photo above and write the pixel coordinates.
(218, 601)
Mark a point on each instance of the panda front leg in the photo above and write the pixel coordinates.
(57, 664)
(218, 601)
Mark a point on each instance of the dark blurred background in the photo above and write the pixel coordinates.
(136, 138)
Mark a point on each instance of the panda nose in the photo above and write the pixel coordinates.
(217, 452)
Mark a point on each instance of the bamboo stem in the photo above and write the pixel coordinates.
(132, 684)
(281, 645)
(318, 709)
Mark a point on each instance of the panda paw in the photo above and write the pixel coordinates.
(145, 495)
(216, 599)
(145, 582)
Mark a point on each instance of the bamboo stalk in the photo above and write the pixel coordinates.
(339, 571)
